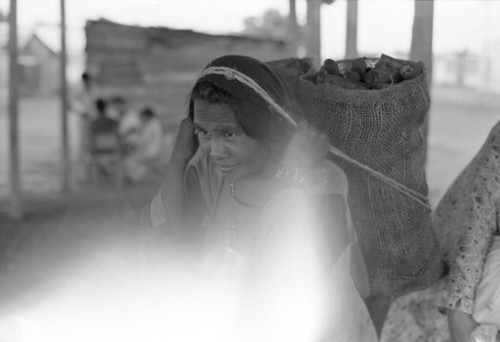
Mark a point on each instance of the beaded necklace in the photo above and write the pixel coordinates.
(232, 191)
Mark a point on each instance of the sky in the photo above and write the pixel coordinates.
(384, 25)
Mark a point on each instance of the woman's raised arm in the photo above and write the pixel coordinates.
(172, 189)
(166, 213)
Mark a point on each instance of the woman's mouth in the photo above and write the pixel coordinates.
(226, 168)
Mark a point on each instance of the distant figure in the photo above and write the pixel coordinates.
(84, 105)
(102, 124)
(104, 140)
(145, 149)
(129, 121)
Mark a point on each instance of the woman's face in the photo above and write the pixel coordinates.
(222, 138)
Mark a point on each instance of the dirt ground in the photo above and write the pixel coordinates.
(61, 232)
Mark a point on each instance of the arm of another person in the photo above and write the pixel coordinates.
(473, 246)
(465, 275)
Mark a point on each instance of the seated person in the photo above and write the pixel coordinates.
(248, 195)
(104, 139)
(102, 124)
(129, 121)
(145, 149)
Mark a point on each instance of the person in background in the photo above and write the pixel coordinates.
(129, 121)
(104, 140)
(146, 147)
(102, 124)
(84, 105)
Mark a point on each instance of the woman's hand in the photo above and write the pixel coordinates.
(172, 189)
(307, 146)
(185, 144)
(461, 325)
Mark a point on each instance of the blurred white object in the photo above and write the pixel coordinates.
(484, 333)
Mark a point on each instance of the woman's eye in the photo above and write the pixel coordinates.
(230, 134)
(201, 133)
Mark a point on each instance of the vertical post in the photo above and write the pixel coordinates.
(14, 171)
(65, 158)
(293, 29)
(421, 44)
(351, 39)
(313, 30)
(422, 33)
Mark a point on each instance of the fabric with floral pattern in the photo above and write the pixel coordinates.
(466, 220)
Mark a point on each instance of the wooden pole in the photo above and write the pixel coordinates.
(422, 33)
(351, 40)
(293, 30)
(313, 30)
(14, 171)
(421, 44)
(65, 156)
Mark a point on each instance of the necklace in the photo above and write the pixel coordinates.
(232, 191)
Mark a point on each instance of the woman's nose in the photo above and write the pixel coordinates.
(218, 148)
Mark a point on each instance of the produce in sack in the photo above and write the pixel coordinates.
(358, 65)
(391, 67)
(381, 129)
(353, 75)
(331, 67)
(377, 79)
(386, 72)
(329, 73)
(344, 82)
(410, 70)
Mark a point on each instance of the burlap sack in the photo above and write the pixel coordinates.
(381, 129)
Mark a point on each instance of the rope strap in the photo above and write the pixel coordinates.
(233, 74)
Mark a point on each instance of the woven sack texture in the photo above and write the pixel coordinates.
(383, 130)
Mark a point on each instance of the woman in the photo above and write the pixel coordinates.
(254, 197)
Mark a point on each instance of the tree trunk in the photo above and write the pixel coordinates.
(351, 40)
(313, 30)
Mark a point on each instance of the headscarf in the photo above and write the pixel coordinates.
(266, 85)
